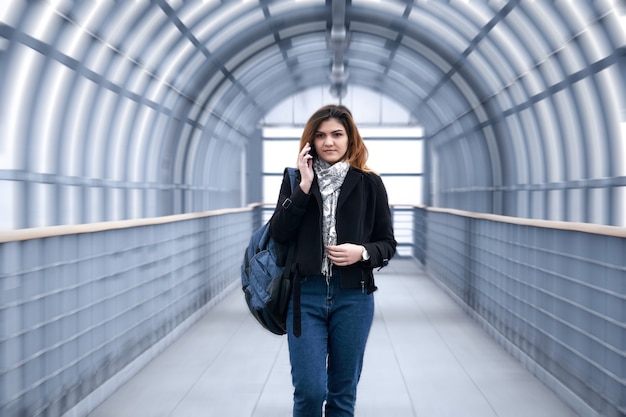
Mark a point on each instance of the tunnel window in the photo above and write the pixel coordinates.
(395, 153)
(400, 162)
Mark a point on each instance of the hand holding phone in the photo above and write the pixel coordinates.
(309, 154)
(305, 165)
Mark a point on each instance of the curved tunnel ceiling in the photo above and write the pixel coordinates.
(150, 104)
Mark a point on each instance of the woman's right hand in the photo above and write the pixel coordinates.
(305, 165)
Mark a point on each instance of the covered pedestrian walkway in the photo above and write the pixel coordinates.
(139, 141)
(426, 357)
(84, 308)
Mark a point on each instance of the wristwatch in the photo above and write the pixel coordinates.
(365, 256)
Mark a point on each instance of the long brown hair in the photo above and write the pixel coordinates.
(356, 155)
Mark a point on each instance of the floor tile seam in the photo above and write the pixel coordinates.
(209, 364)
(277, 356)
(397, 360)
(448, 346)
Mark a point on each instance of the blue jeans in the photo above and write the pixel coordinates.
(326, 360)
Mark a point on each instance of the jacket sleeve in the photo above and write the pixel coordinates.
(383, 244)
(289, 211)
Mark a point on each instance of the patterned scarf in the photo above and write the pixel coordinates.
(330, 178)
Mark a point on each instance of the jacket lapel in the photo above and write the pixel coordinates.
(352, 179)
(315, 191)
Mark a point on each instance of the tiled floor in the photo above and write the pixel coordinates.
(425, 358)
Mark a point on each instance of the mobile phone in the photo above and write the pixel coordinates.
(312, 150)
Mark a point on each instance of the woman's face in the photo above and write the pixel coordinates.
(331, 141)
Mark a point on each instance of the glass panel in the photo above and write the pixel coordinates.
(234, 30)
(51, 104)
(158, 52)
(10, 205)
(77, 37)
(10, 11)
(196, 10)
(144, 36)
(569, 130)
(400, 190)
(271, 188)
(302, 29)
(280, 154)
(229, 21)
(508, 66)
(257, 51)
(395, 156)
(284, 6)
(617, 24)
(376, 7)
(181, 67)
(41, 21)
(430, 24)
(478, 12)
(592, 123)
(386, 156)
(309, 42)
(489, 74)
(414, 46)
(140, 143)
(404, 190)
(546, 17)
(391, 112)
(360, 30)
(621, 155)
(118, 26)
(16, 99)
(77, 128)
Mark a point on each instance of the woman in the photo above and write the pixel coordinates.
(340, 222)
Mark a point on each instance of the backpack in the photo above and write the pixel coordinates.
(265, 276)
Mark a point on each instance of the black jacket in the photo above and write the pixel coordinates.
(363, 217)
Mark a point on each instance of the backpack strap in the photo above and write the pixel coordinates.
(297, 316)
(291, 252)
(292, 178)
